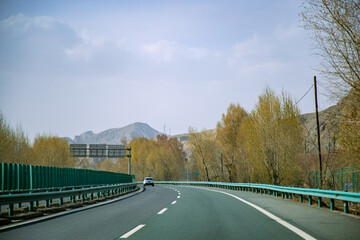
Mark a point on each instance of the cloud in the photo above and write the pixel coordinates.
(166, 51)
(21, 26)
(252, 48)
(22, 23)
(86, 47)
(290, 32)
(45, 37)
(252, 56)
(46, 46)
(269, 54)
(34, 44)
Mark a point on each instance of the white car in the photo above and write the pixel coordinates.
(148, 181)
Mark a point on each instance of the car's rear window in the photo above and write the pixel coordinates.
(148, 178)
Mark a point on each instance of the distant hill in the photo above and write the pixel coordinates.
(114, 135)
(329, 121)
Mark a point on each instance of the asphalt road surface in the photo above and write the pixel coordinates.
(179, 212)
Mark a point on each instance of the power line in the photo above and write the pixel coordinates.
(305, 94)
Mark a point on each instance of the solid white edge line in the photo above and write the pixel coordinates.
(131, 232)
(272, 216)
(162, 211)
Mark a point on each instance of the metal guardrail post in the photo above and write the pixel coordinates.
(11, 209)
(346, 207)
(31, 206)
(332, 204)
(319, 202)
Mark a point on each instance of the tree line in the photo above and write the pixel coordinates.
(162, 158)
(263, 146)
(47, 150)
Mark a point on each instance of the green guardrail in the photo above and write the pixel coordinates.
(285, 192)
(16, 177)
(82, 193)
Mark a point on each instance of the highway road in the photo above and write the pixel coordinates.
(180, 212)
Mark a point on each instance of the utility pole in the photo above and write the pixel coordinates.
(318, 133)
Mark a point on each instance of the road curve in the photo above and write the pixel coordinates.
(207, 213)
(108, 221)
(179, 212)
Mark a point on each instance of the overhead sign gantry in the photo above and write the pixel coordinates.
(101, 151)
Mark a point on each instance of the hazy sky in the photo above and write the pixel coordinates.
(71, 66)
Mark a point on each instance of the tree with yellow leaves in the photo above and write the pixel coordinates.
(274, 140)
(231, 144)
(14, 144)
(163, 158)
(205, 155)
(52, 151)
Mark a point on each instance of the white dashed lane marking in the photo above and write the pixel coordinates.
(131, 232)
(162, 211)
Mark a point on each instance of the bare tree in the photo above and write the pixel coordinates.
(335, 28)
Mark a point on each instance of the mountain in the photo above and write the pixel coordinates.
(114, 135)
(329, 120)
